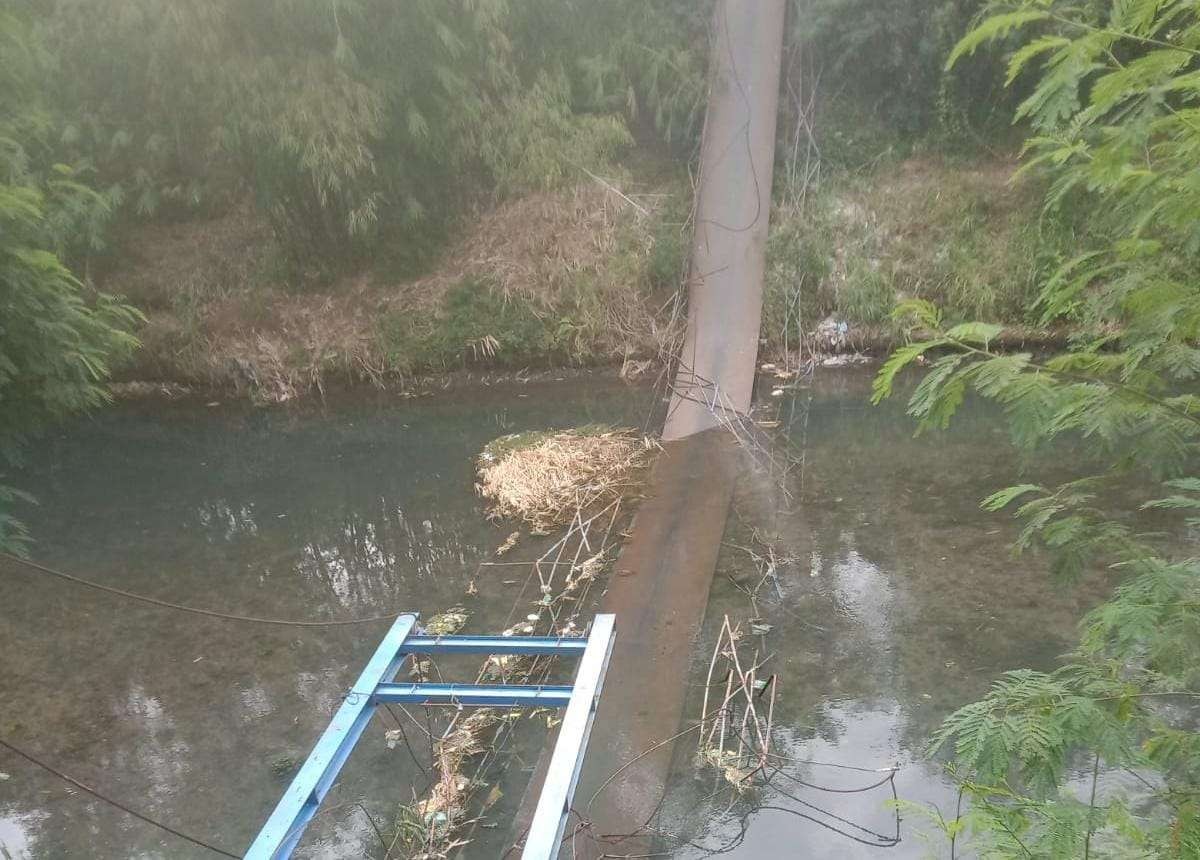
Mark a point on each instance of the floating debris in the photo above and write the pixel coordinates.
(832, 333)
(508, 544)
(447, 623)
(429, 828)
(846, 360)
(547, 479)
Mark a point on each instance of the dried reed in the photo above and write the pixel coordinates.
(739, 745)
(547, 480)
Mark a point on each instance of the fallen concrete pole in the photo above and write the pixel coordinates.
(659, 589)
(733, 205)
(660, 584)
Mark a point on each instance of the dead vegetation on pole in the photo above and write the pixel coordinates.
(547, 479)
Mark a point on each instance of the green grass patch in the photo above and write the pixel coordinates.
(473, 325)
(960, 234)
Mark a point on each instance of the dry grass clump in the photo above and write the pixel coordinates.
(531, 247)
(581, 255)
(547, 479)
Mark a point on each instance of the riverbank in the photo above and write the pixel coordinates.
(587, 277)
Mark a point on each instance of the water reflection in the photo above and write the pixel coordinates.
(162, 758)
(902, 602)
(898, 601)
(846, 820)
(364, 508)
(864, 593)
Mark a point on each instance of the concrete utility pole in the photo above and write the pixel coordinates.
(660, 585)
(716, 366)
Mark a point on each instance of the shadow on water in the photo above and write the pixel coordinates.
(900, 602)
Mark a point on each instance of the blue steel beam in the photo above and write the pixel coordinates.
(495, 645)
(283, 829)
(494, 695)
(286, 825)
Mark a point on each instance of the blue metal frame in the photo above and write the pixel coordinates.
(498, 695)
(554, 801)
(283, 830)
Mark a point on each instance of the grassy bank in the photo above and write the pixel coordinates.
(564, 278)
(965, 235)
(587, 276)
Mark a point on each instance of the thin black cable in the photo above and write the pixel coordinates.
(884, 841)
(370, 819)
(815, 787)
(210, 613)
(877, 840)
(743, 131)
(835, 765)
(404, 737)
(139, 816)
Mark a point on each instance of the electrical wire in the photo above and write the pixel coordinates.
(166, 604)
(115, 803)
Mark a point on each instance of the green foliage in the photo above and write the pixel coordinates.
(868, 294)
(882, 64)
(536, 141)
(352, 122)
(799, 257)
(962, 235)
(356, 123)
(994, 27)
(55, 344)
(1116, 113)
(666, 267)
(647, 59)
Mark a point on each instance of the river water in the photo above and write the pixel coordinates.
(896, 601)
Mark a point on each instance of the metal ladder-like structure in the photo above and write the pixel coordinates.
(376, 686)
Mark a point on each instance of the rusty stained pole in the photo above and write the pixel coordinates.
(660, 584)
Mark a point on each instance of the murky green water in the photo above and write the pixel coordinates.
(901, 603)
(362, 508)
